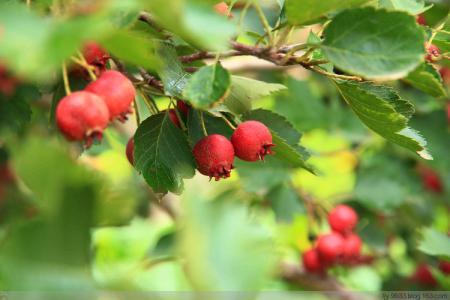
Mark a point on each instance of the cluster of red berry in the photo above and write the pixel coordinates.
(83, 115)
(341, 246)
(214, 154)
(425, 277)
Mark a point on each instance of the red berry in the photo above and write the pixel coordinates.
(424, 276)
(431, 180)
(174, 118)
(432, 53)
(420, 19)
(95, 55)
(445, 74)
(221, 8)
(444, 266)
(82, 116)
(342, 219)
(130, 150)
(311, 261)
(183, 107)
(252, 140)
(214, 155)
(8, 83)
(352, 247)
(330, 247)
(116, 90)
(6, 174)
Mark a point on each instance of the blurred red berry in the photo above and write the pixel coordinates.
(432, 53)
(8, 83)
(330, 247)
(444, 266)
(130, 150)
(431, 180)
(420, 19)
(343, 219)
(352, 247)
(183, 107)
(311, 261)
(424, 276)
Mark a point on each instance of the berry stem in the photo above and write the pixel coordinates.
(227, 121)
(150, 105)
(136, 112)
(202, 120)
(66, 79)
(87, 66)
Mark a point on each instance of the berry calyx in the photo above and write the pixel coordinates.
(183, 107)
(433, 53)
(130, 151)
(252, 141)
(95, 55)
(330, 247)
(342, 219)
(214, 155)
(116, 90)
(311, 261)
(82, 116)
(352, 248)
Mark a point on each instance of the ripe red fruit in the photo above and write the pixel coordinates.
(95, 55)
(352, 247)
(214, 155)
(431, 180)
(221, 8)
(342, 219)
(432, 53)
(130, 151)
(311, 261)
(424, 276)
(8, 83)
(82, 116)
(444, 266)
(445, 74)
(174, 118)
(116, 90)
(330, 247)
(252, 140)
(183, 107)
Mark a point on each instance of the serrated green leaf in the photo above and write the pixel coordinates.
(384, 115)
(172, 73)
(207, 86)
(194, 22)
(245, 90)
(375, 44)
(434, 243)
(304, 11)
(413, 7)
(443, 45)
(427, 79)
(133, 48)
(162, 154)
(14, 112)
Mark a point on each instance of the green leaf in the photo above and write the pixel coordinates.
(15, 110)
(246, 90)
(304, 11)
(434, 243)
(217, 258)
(212, 124)
(427, 79)
(208, 86)
(285, 138)
(285, 203)
(413, 7)
(380, 109)
(133, 48)
(162, 154)
(194, 22)
(172, 73)
(443, 45)
(375, 44)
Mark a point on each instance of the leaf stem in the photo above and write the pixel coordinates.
(202, 120)
(332, 75)
(136, 112)
(66, 79)
(227, 121)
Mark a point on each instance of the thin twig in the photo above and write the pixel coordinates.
(332, 75)
(87, 66)
(66, 79)
(202, 120)
(263, 19)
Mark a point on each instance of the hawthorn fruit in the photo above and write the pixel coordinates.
(116, 90)
(330, 247)
(82, 116)
(433, 53)
(352, 248)
(311, 261)
(342, 219)
(252, 141)
(214, 155)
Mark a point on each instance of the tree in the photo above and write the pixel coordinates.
(303, 104)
